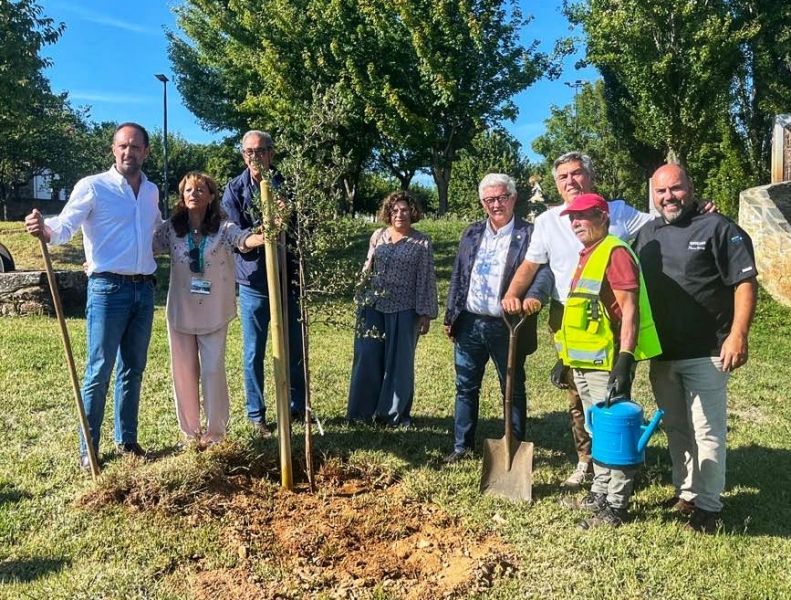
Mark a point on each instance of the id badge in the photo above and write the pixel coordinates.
(200, 286)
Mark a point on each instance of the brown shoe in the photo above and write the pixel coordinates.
(683, 507)
(262, 429)
(704, 521)
(581, 475)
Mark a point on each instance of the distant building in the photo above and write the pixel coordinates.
(41, 188)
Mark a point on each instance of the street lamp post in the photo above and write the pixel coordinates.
(576, 85)
(164, 81)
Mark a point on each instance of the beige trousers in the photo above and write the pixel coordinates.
(200, 359)
(616, 484)
(693, 394)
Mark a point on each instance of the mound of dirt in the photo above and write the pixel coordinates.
(353, 539)
(358, 535)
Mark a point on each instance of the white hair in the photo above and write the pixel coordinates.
(496, 180)
(262, 134)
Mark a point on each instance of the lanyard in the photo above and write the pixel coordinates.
(191, 244)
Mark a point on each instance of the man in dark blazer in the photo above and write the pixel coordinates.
(489, 253)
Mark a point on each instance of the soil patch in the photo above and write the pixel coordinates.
(359, 535)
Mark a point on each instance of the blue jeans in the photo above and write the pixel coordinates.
(479, 338)
(383, 372)
(118, 320)
(254, 315)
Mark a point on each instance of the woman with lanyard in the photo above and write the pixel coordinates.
(201, 302)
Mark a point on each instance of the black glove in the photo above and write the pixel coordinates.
(621, 376)
(558, 375)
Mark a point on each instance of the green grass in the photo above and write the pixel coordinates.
(57, 542)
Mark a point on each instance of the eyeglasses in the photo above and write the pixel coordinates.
(195, 266)
(400, 211)
(251, 152)
(495, 199)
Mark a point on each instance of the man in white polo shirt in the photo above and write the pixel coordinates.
(555, 243)
(118, 211)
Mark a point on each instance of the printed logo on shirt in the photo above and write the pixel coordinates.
(736, 239)
(746, 269)
(693, 245)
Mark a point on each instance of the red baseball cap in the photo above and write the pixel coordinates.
(586, 201)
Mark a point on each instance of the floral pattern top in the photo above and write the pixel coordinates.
(192, 313)
(400, 275)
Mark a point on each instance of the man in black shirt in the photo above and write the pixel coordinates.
(700, 275)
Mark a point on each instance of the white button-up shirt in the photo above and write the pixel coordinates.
(486, 278)
(554, 242)
(117, 228)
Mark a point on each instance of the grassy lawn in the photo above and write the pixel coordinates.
(163, 529)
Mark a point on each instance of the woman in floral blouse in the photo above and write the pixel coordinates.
(201, 302)
(397, 300)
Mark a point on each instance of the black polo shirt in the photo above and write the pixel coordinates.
(690, 269)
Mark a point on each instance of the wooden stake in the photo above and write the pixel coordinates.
(276, 326)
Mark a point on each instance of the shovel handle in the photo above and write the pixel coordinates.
(86, 430)
(513, 323)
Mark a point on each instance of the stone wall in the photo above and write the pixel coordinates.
(17, 209)
(27, 293)
(764, 214)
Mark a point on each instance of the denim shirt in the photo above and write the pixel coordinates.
(236, 202)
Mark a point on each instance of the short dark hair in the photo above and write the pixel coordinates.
(137, 126)
(415, 213)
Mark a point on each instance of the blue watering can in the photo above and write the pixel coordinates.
(618, 433)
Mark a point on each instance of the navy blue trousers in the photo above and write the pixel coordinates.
(383, 372)
(479, 338)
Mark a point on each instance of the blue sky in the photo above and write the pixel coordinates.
(110, 51)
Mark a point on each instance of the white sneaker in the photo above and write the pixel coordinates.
(582, 474)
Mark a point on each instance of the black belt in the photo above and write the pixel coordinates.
(136, 278)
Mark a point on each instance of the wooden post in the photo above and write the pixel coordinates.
(780, 166)
(277, 328)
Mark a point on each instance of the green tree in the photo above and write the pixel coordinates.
(38, 128)
(667, 66)
(492, 151)
(762, 80)
(451, 71)
(584, 125)
(419, 78)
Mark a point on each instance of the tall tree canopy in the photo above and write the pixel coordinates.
(419, 77)
(37, 127)
(667, 65)
(584, 125)
(700, 81)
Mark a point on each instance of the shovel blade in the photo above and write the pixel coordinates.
(514, 480)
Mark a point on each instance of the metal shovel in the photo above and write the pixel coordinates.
(507, 462)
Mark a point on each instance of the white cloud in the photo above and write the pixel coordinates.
(109, 97)
(101, 19)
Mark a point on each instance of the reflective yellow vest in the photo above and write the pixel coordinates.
(585, 339)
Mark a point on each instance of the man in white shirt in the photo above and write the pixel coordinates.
(554, 243)
(118, 211)
(489, 253)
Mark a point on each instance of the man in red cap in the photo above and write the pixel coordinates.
(554, 244)
(606, 327)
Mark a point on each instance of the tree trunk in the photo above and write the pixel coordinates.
(441, 173)
(350, 189)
